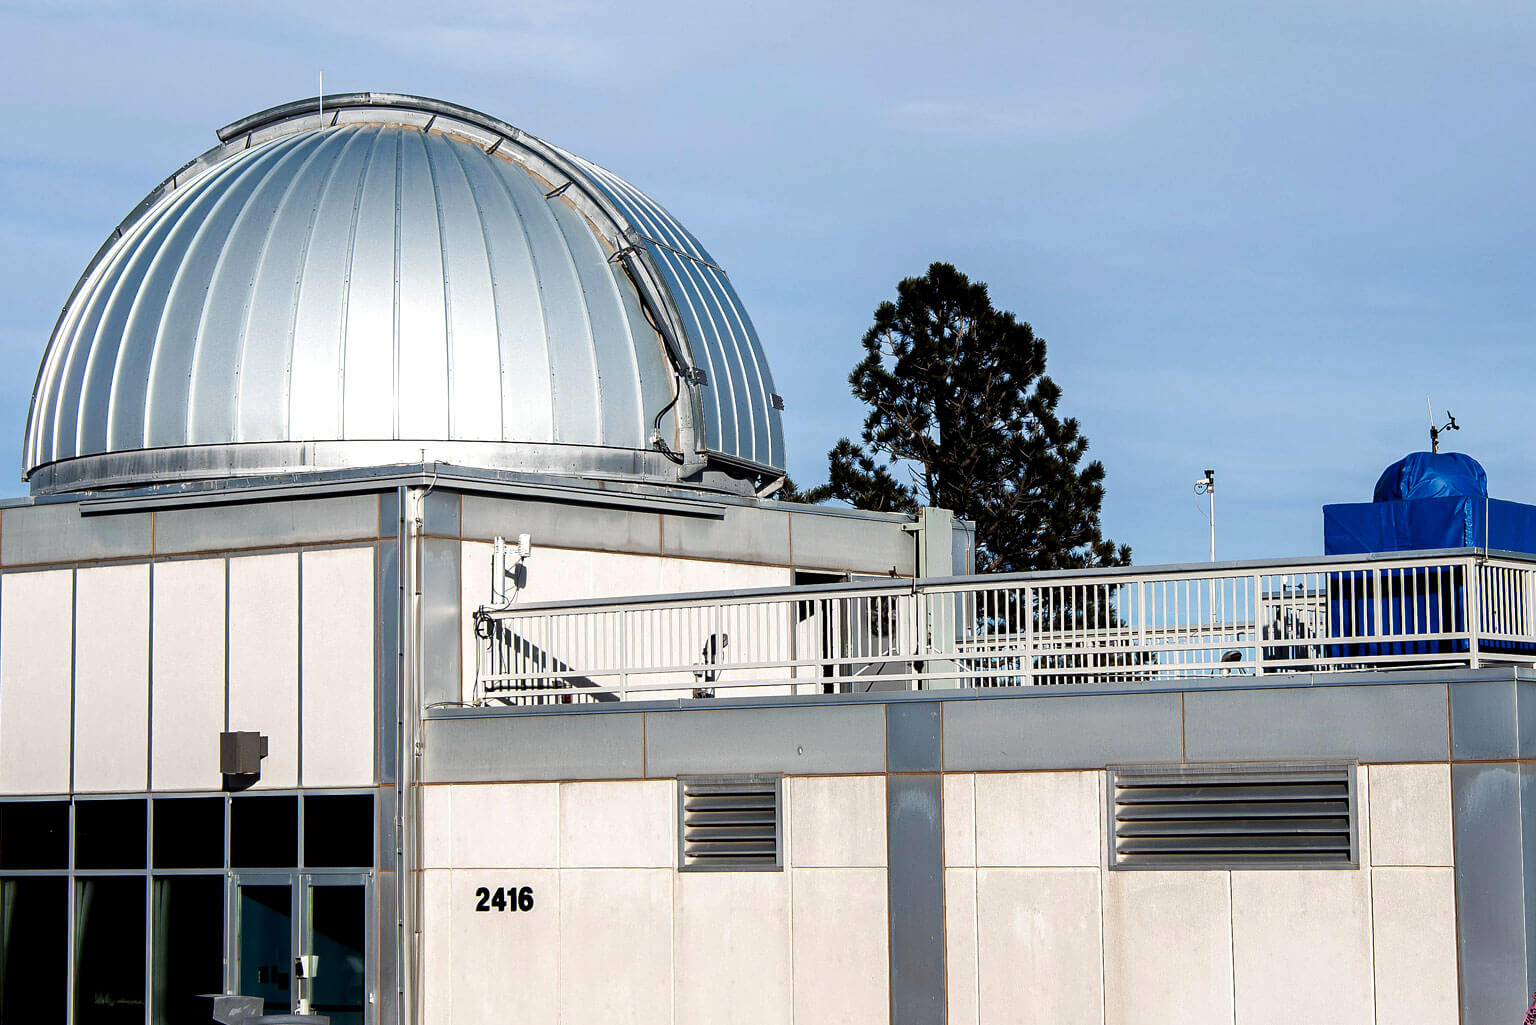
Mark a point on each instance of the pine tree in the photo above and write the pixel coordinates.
(962, 416)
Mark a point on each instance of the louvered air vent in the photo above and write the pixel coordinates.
(1274, 816)
(729, 823)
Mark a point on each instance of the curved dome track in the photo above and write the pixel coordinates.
(408, 272)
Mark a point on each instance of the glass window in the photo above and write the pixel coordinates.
(109, 939)
(109, 834)
(188, 947)
(264, 832)
(189, 832)
(338, 831)
(34, 950)
(34, 834)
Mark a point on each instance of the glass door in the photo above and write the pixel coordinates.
(301, 943)
(336, 940)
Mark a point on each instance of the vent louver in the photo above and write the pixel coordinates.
(729, 823)
(1275, 816)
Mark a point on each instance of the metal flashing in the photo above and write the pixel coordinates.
(1492, 944)
(915, 897)
(793, 741)
(912, 739)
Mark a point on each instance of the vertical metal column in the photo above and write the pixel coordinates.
(915, 862)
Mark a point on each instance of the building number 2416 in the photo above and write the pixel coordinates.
(505, 898)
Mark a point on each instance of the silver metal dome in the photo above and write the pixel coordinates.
(387, 278)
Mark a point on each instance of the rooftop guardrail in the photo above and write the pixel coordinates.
(1456, 608)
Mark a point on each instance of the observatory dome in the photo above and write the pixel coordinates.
(382, 278)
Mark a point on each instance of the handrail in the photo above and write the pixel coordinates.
(1128, 625)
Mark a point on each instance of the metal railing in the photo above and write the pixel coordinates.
(1132, 626)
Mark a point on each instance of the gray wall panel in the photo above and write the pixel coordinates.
(1525, 712)
(912, 736)
(58, 533)
(387, 658)
(824, 542)
(1490, 886)
(563, 526)
(915, 881)
(266, 524)
(744, 535)
(1528, 864)
(1483, 721)
(1380, 723)
(1081, 731)
(441, 515)
(494, 748)
(440, 627)
(831, 738)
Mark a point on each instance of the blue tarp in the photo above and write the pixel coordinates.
(1432, 475)
(1421, 523)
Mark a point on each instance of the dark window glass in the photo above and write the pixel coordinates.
(109, 834)
(265, 927)
(34, 950)
(339, 930)
(109, 936)
(188, 947)
(264, 832)
(338, 831)
(34, 834)
(189, 832)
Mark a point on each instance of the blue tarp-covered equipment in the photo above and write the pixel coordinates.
(1432, 475)
(1424, 501)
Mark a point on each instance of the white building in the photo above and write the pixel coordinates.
(282, 426)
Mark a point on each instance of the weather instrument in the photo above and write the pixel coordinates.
(1207, 486)
(1435, 432)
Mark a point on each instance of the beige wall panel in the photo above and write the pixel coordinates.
(631, 824)
(515, 825)
(338, 622)
(1414, 912)
(437, 947)
(1301, 945)
(960, 946)
(188, 678)
(264, 659)
(112, 678)
(500, 967)
(960, 820)
(437, 826)
(732, 950)
(680, 576)
(1039, 819)
(475, 590)
(35, 647)
(842, 970)
(615, 947)
(1410, 815)
(837, 821)
(1038, 935)
(1167, 948)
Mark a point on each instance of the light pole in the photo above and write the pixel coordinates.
(1207, 486)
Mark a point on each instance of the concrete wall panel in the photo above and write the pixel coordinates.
(960, 820)
(1410, 814)
(615, 947)
(490, 967)
(482, 826)
(338, 693)
(960, 951)
(837, 821)
(732, 943)
(112, 678)
(188, 702)
(629, 824)
(841, 970)
(1414, 927)
(1167, 948)
(35, 644)
(1039, 819)
(1301, 944)
(264, 659)
(1041, 956)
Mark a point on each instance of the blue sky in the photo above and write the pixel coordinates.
(1254, 235)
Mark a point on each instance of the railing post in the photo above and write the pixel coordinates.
(624, 654)
(1473, 589)
(1260, 623)
(1027, 597)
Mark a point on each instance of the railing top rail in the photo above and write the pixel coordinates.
(880, 586)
